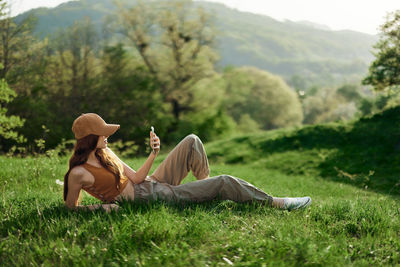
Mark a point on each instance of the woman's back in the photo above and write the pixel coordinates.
(104, 186)
(98, 182)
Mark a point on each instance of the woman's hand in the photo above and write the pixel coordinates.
(106, 207)
(154, 143)
(110, 207)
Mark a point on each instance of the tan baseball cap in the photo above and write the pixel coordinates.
(91, 123)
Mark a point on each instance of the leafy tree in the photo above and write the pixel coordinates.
(15, 39)
(266, 98)
(384, 71)
(59, 83)
(8, 123)
(127, 94)
(378, 102)
(208, 118)
(247, 125)
(332, 104)
(73, 65)
(350, 92)
(175, 43)
(10, 42)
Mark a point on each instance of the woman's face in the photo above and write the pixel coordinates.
(102, 142)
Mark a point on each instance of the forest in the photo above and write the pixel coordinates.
(163, 63)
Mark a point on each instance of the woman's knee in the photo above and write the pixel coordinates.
(225, 178)
(192, 137)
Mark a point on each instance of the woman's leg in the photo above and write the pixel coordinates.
(222, 187)
(188, 155)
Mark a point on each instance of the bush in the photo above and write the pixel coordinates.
(266, 98)
(332, 104)
(8, 123)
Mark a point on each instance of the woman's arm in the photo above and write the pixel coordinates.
(74, 188)
(141, 174)
(143, 171)
(106, 207)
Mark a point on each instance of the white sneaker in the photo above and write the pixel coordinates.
(295, 203)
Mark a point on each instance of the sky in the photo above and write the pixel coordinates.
(358, 15)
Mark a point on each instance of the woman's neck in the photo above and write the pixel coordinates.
(92, 157)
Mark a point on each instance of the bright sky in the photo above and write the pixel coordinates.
(359, 15)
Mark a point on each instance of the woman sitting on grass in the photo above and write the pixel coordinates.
(96, 169)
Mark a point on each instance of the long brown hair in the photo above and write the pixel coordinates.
(82, 149)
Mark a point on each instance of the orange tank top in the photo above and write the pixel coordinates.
(104, 187)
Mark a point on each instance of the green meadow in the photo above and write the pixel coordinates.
(349, 169)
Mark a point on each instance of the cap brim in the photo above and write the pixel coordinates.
(110, 129)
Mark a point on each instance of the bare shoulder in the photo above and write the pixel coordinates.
(77, 172)
(80, 175)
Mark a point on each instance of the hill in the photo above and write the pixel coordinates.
(319, 56)
(344, 226)
(362, 153)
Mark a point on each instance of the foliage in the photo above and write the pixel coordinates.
(327, 104)
(61, 81)
(345, 225)
(358, 148)
(74, 63)
(380, 101)
(15, 40)
(8, 123)
(65, 147)
(179, 55)
(17, 50)
(163, 76)
(129, 96)
(208, 119)
(384, 71)
(124, 149)
(350, 92)
(286, 48)
(265, 97)
(247, 125)
(73, 76)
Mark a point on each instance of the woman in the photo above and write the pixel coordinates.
(96, 169)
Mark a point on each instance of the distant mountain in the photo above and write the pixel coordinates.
(301, 49)
(314, 25)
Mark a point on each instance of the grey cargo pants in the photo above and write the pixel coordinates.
(189, 155)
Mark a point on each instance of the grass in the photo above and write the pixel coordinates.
(354, 218)
(362, 153)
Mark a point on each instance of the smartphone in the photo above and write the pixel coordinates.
(152, 131)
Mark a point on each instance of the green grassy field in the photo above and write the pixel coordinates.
(349, 170)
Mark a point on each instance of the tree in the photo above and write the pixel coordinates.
(266, 98)
(209, 118)
(175, 43)
(9, 41)
(58, 83)
(74, 64)
(15, 39)
(384, 71)
(332, 104)
(8, 123)
(128, 95)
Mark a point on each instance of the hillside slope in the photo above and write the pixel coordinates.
(364, 153)
(284, 48)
